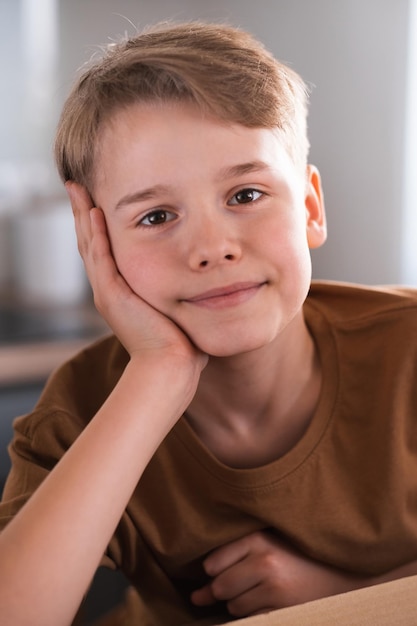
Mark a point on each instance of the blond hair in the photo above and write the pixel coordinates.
(223, 70)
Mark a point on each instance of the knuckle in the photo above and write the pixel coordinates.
(268, 562)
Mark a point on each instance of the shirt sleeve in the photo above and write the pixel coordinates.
(29, 467)
(40, 440)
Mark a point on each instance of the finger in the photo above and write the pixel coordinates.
(231, 553)
(225, 557)
(100, 243)
(248, 587)
(237, 579)
(203, 596)
(255, 601)
(94, 245)
(79, 194)
(109, 287)
(81, 205)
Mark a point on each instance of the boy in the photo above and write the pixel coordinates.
(244, 441)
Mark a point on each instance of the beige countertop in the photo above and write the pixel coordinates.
(33, 362)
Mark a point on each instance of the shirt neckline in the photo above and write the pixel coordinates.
(265, 476)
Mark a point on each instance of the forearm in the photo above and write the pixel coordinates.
(344, 582)
(50, 551)
(410, 569)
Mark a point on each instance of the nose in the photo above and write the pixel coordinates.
(213, 243)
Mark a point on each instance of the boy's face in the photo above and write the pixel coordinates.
(209, 223)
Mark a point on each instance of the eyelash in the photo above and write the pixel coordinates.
(155, 212)
(250, 190)
(245, 190)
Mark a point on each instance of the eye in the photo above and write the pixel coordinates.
(245, 196)
(157, 218)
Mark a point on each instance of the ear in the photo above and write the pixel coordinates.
(315, 212)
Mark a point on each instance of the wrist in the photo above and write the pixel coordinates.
(165, 383)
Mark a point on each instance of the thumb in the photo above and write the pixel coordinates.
(203, 596)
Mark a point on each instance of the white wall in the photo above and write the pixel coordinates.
(11, 139)
(409, 223)
(355, 54)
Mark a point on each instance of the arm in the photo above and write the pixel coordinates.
(50, 551)
(260, 573)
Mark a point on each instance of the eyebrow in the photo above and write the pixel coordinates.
(141, 195)
(225, 174)
(243, 168)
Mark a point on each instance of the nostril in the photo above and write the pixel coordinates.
(224, 257)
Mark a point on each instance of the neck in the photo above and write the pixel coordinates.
(258, 405)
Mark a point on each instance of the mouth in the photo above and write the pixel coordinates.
(226, 296)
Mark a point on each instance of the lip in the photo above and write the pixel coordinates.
(230, 295)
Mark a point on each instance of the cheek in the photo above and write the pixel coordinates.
(287, 249)
(140, 271)
(126, 255)
(285, 240)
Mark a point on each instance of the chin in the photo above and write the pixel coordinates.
(224, 347)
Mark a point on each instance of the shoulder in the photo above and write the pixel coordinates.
(352, 304)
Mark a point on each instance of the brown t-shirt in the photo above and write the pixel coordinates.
(346, 494)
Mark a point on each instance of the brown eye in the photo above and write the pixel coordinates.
(244, 196)
(156, 218)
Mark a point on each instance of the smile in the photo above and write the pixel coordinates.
(223, 297)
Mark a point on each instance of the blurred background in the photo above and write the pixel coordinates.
(359, 58)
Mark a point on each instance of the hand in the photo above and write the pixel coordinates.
(138, 325)
(260, 573)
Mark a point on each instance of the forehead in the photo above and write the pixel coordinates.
(178, 139)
